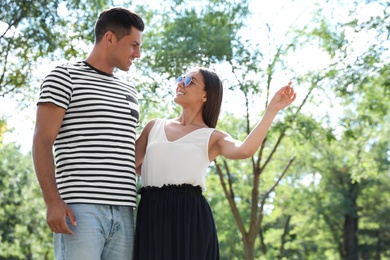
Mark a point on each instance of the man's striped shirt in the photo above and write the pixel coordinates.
(95, 147)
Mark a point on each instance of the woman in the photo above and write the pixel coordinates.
(174, 220)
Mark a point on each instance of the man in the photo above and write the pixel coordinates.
(90, 117)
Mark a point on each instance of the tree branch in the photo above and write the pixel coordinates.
(230, 197)
(266, 194)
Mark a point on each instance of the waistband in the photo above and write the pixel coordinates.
(169, 187)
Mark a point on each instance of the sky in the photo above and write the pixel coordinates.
(279, 13)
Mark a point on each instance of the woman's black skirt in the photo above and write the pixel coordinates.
(175, 222)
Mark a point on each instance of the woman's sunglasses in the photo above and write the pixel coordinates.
(186, 81)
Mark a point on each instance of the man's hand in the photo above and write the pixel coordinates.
(56, 217)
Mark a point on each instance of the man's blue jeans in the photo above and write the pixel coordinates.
(102, 232)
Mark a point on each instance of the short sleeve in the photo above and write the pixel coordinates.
(57, 88)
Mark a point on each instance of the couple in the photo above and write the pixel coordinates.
(90, 117)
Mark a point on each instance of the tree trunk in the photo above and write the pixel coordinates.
(350, 238)
(378, 246)
(249, 249)
(351, 226)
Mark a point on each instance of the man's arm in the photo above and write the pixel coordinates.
(49, 118)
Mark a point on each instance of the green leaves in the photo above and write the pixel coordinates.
(192, 35)
(31, 30)
(23, 230)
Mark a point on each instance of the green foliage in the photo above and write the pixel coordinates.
(31, 31)
(23, 230)
(349, 177)
(374, 230)
(187, 35)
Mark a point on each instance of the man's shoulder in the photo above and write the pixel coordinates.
(68, 66)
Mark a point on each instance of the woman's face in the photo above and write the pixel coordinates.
(190, 89)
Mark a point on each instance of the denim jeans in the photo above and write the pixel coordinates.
(102, 232)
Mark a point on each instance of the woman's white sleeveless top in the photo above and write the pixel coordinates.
(183, 161)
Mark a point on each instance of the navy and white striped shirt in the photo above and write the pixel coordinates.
(95, 147)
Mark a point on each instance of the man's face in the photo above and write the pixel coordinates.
(127, 49)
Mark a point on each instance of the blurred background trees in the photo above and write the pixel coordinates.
(319, 186)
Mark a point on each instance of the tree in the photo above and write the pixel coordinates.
(362, 86)
(33, 31)
(353, 160)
